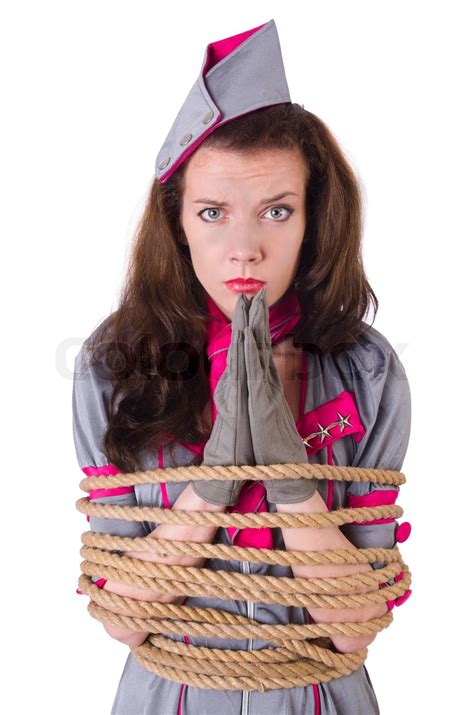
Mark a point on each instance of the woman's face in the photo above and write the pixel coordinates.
(243, 216)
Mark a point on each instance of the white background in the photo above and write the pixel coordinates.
(89, 92)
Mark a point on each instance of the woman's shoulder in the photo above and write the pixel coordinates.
(91, 360)
(373, 354)
(377, 379)
(91, 395)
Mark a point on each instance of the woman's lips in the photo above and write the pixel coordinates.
(245, 286)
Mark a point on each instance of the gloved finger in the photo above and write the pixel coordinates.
(257, 393)
(254, 368)
(229, 377)
(230, 442)
(259, 324)
(272, 426)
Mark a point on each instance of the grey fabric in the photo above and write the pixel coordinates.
(387, 418)
(274, 434)
(90, 396)
(250, 77)
(372, 371)
(230, 441)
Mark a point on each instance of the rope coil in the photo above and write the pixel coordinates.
(303, 653)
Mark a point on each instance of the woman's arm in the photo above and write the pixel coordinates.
(308, 539)
(315, 539)
(188, 500)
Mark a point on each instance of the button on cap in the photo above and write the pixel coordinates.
(186, 139)
(164, 163)
(207, 117)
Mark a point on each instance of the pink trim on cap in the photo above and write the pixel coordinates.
(216, 51)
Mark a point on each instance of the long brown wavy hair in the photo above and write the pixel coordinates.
(152, 347)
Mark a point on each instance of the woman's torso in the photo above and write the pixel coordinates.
(141, 691)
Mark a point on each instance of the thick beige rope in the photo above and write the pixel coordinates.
(303, 653)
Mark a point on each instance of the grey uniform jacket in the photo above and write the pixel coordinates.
(370, 374)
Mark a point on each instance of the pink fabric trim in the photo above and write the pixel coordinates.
(252, 499)
(317, 700)
(100, 583)
(378, 497)
(317, 697)
(371, 521)
(164, 491)
(216, 51)
(180, 711)
(181, 692)
(329, 481)
(108, 470)
(399, 601)
(375, 498)
(324, 415)
(97, 493)
(404, 597)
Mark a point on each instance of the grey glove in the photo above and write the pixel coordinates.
(274, 434)
(230, 442)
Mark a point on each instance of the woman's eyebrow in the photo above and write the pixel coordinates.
(263, 201)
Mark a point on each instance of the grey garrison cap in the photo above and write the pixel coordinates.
(239, 74)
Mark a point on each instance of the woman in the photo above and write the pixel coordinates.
(268, 196)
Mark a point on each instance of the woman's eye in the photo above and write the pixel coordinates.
(288, 210)
(212, 213)
(204, 210)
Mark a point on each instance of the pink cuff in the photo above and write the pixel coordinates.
(378, 497)
(100, 583)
